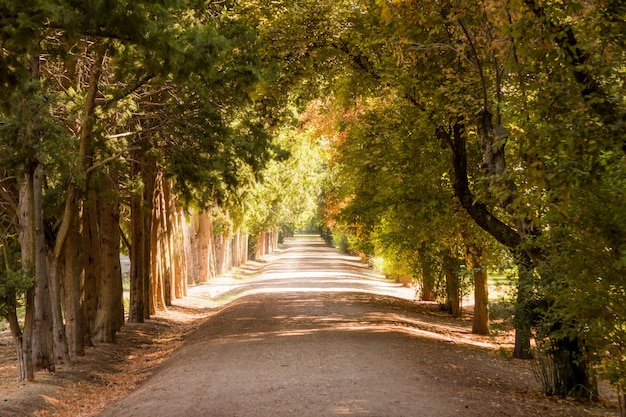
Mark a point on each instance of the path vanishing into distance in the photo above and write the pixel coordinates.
(317, 333)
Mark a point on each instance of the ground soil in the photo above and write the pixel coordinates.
(307, 331)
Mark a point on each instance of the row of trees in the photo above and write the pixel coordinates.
(139, 127)
(465, 129)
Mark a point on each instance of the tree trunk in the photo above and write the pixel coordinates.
(42, 339)
(27, 235)
(148, 176)
(480, 323)
(428, 276)
(143, 171)
(451, 267)
(159, 269)
(110, 312)
(522, 320)
(59, 340)
(70, 264)
(92, 262)
(91, 234)
(179, 253)
(205, 248)
(220, 253)
(137, 273)
(170, 225)
(191, 258)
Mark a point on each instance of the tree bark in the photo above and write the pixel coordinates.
(137, 273)
(148, 176)
(159, 269)
(205, 247)
(110, 312)
(42, 339)
(27, 235)
(71, 268)
(522, 320)
(428, 275)
(92, 262)
(480, 322)
(143, 171)
(451, 267)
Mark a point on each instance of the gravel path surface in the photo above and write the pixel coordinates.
(317, 334)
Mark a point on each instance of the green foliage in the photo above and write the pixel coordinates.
(552, 75)
(288, 188)
(14, 279)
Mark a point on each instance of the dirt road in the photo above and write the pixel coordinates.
(316, 334)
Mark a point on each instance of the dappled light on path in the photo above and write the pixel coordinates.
(316, 333)
(309, 274)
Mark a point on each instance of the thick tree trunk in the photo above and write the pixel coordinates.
(90, 233)
(110, 312)
(143, 171)
(42, 340)
(71, 272)
(27, 236)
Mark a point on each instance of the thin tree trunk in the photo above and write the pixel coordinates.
(173, 245)
(525, 269)
(451, 266)
(92, 263)
(159, 267)
(148, 176)
(137, 274)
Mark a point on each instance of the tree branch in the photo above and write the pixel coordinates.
(590, 89)
(478, 211)
(109, 159)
